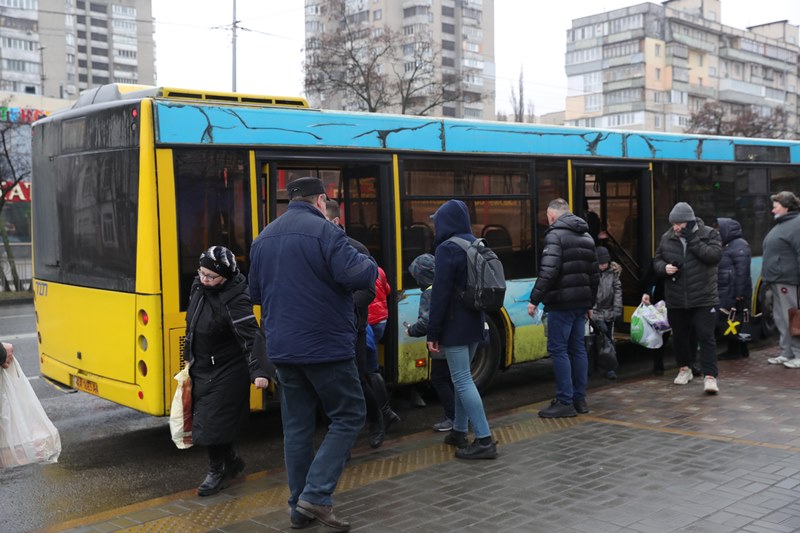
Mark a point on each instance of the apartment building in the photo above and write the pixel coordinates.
(57, 48)
(649, 66)
(461, 32)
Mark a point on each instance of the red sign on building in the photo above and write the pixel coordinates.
(21, 192)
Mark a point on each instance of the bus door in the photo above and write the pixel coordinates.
(616, 202)
(363, 188)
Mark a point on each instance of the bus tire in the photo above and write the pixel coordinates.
(486, 362)
(768, 328)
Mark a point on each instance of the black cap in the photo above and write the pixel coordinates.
(307, 186)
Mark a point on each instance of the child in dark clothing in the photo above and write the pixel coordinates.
(421, 269)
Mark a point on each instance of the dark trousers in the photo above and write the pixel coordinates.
(443, 385)
(695, 324)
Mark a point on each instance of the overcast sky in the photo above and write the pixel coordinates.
(193, 43)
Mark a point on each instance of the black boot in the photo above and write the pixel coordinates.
(234, 465)
(376, 432)
(215, 479)
(374, 415)
(378, 387)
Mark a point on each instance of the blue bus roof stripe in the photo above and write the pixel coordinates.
(189, 123)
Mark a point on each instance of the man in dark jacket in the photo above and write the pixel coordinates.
(735, 285)
(569, 275)
(304, 272)
(688, 256)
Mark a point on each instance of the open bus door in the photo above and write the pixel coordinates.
(620, 207)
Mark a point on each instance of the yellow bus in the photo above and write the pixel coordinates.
(132, 183)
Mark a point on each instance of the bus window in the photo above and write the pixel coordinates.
(551, 183)
(496, 194)
(330, 178)
(212, 197)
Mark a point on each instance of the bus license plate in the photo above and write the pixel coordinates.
(84, 384)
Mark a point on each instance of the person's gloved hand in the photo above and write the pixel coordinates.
(688, 231)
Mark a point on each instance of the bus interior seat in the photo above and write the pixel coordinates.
(498, 238)
(417, 240)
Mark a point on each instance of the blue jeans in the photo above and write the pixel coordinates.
(567, 349)
(469, 406)
(336, 388)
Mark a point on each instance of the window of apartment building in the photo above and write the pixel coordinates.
(69, 21)
(20, 4)
(593, 82)
(622, 49)
(622, 119)
(624, 96)
(448, 28)
(583, 56)
(377, 14)
(699, 60)
(448, 45)
(737, 70)
(448, 11)
(712, 71)
(99, 51)
(82, 63)
(18, 44)
(448, 111)
(81, 49)
(128, 54)
(471, 13)
(97, 8)
(700, 81)
(472, 33)
(475, 48)
(83, 77)
(473, 63)
(124, 26)
(695, 104)
(313, 9)
(125, 80)
(631, 22)
(19, 65)
(414, 11)
(470, 112)
(448, 61)
(593, 103)
(657, 121)
(99, 37)
(126, 11)
(658, 50)
(81, 34)
(358, 18)
(70, 59)
(100, 80)
(81, 19)
(473, 79)
(123, 39)
(314, 26)
(97, 65)
(658, 73)
(678, 97)
(683, 121)
(69, 38)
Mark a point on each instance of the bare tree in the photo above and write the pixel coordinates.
(518, 100)
(711, 119)
(14, 168)
(377, 69)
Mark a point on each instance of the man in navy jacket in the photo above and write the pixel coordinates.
(303, 272)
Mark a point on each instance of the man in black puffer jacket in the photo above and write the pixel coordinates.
(567, 285)
(735, 285)
(688, 256)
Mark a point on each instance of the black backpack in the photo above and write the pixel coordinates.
(486, 282)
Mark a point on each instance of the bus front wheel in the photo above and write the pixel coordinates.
(768, 328)
(486, 363)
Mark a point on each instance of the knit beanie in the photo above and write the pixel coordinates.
(682, 212)
(220, 260)
(602, 255)
(422, 268)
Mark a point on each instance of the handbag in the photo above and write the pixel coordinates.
(26, 433)
(794, 318)
(180, 415)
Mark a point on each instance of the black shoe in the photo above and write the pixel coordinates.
(376, 433)
(580, 406)
(301, 521)
(323, 513)
(213, 483)
(558, 410)
(476, 450)
(611, 375)
(457, 439)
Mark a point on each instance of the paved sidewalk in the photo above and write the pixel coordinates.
(650, 457)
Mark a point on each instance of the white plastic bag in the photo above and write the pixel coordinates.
(642, 332)
(26, 433)
(180, 415)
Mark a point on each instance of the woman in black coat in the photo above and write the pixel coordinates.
(226, 349)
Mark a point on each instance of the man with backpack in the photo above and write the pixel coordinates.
(455, 329)
(569, 275)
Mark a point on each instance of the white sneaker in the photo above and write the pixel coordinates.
(684, 376)
(710, 385)
(778, 360)
(792, 363)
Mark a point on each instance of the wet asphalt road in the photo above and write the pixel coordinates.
(113, 456)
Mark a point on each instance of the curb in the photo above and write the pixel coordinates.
(23, 298)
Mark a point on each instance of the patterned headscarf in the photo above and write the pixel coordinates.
(220, 260)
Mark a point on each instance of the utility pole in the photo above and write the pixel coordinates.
(233, 42)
